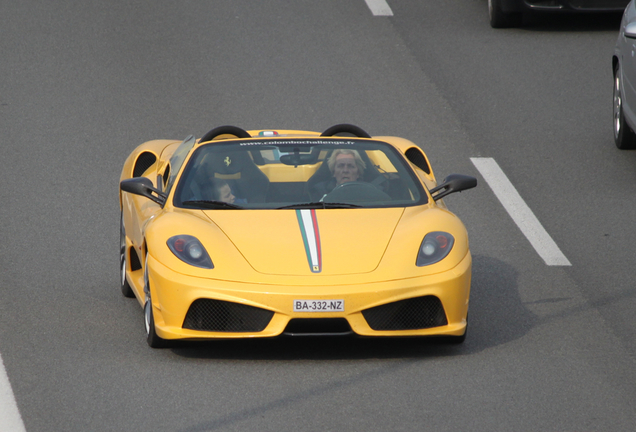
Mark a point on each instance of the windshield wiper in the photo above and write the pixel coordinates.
(207, 204)
(319, 205)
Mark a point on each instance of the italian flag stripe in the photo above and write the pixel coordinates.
(311, 238)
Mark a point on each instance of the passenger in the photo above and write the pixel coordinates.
(223, 192)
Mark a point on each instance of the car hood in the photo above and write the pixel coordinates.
(302, 242)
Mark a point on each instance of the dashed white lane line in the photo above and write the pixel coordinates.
(379, 7)
(520, 212)
(10, 419)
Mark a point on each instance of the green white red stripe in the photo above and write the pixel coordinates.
(311, 238)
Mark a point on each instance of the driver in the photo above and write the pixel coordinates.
(346, 166)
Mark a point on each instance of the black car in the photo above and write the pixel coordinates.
(509, 13)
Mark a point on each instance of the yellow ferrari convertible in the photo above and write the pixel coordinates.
(261, 233)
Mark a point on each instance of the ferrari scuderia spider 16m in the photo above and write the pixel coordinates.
(261, 233)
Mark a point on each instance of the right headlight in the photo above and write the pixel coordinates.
(434, 248)
(190, 250)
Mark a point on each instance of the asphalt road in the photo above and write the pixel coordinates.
(550, 348)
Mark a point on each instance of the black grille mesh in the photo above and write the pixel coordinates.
(222, 316)
(410, 314)
(300, 326)
(144, 161)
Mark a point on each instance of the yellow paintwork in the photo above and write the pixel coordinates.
(360, 264)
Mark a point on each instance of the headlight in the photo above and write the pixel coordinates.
(190, 250)
(435, 246)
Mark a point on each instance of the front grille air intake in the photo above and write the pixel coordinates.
(318, 327)
(410, 314)
(222, 316)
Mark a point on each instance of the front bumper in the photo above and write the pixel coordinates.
(271, 306)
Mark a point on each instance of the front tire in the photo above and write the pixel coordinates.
(501, 19)
(126, 290)
(153, 339)
(624, 136)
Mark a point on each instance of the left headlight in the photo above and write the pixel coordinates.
(434, 248)
(190, 250)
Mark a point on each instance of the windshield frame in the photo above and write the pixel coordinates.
(177, 159)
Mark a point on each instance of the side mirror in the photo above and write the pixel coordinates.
(453, 183)
(630, 30)
(143, 186)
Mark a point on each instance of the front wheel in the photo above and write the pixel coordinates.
(624, 136)
(501, 19)
(124, 285)
(153, 339)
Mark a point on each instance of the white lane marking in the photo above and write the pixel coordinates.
(520, 212)
(379, 7)
(10, 419)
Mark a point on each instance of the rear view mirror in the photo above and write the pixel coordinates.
(630, 30)
(297, 159)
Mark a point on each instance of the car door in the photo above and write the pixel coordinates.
(627, 42)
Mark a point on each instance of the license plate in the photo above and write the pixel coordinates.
(319, 306)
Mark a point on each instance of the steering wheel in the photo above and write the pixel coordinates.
(356, 191)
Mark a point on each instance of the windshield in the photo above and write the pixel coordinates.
(297, 173)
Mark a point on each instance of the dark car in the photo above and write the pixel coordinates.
(624, 67)
(509, 13)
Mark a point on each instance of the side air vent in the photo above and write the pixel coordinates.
(144, 161)
(415, 156)
(135, 264)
